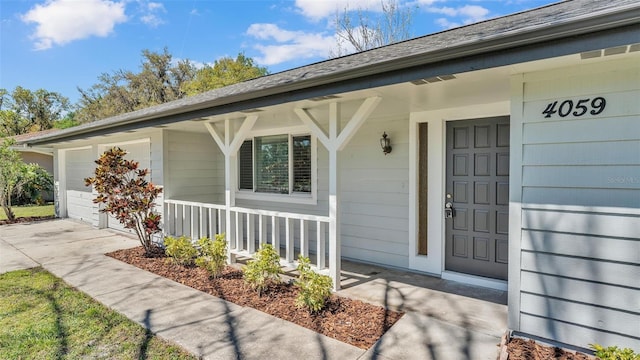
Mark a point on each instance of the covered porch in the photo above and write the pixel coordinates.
(268, 215)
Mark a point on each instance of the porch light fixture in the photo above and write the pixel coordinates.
(385, 143)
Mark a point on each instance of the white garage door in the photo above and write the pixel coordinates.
(79, 165)
(139, 152)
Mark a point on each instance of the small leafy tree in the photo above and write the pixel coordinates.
(127, 195)
(264, 269)
(180, 250)
(17, 178)
(315, 289)
(213, 254)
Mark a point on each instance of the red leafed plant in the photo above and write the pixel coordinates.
(127, 194)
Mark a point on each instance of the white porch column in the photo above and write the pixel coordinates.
(60, 183)
(228, 186)
(335, 142)
(229, 143)
(334, 202)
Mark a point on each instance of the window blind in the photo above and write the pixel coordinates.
(272, 164)
(301, 163)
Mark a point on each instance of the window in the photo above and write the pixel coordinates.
(278, 164)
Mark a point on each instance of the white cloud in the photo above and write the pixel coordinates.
(288, 45)
(464, 15)
(62, 21)
(151, 11)
(447, 24)
(474, 13)
(317, 10)
(271, 31)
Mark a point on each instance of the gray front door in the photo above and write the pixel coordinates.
(478, 191)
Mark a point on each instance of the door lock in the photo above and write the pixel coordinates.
(449, 212)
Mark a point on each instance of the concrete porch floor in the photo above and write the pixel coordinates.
(436, 312)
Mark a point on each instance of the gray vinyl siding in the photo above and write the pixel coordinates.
(195, 168)
(580, 236)
(375, 193)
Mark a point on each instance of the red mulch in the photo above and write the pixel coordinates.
(351, 321)
(27, 219)
(521, 349)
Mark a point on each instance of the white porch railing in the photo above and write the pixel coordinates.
(291, 233)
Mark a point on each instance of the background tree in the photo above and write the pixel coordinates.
(67, 121)
(224, 72)
(23, 110)
(127, 194)
(16, 177)
(359, 31)
(160, 79)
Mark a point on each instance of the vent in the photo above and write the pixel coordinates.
(433, 79)
(591, 54)
(326, 97)
(616, 50)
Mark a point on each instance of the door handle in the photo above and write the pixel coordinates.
(449, 211)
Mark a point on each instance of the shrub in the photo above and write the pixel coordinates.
(180, 249)
(213, 254)
(127, 195)
(315, 289)
(264, 269)
(614, 353)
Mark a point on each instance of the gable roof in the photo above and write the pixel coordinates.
(564, 20)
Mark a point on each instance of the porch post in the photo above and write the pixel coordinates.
(229, 145)
(228, 187)
(334, 204)
(335, 141)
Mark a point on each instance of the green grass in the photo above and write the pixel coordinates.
(41, 317)
(23, 211)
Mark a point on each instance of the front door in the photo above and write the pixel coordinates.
(477, 194)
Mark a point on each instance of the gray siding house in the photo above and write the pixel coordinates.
(515, 164)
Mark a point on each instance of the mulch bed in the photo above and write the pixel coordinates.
(351, 321)
(27, 219)
(522, 349)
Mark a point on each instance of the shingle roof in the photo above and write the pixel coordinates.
(32, 135)
(529, 26)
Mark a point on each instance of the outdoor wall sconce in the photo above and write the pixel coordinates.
(385, 143)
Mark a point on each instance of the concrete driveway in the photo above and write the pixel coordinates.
(437, 324)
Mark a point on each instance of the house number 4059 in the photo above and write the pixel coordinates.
(594, 106)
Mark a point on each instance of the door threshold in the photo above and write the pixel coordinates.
(475, 280)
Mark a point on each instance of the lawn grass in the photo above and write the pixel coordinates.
(41, 317)
(28, 211)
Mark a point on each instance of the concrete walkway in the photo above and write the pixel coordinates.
(433, 328)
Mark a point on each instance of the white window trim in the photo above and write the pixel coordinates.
(293, 197)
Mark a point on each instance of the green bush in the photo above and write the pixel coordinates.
(264, 269)
(614, 353)
(315, 289)
(181, 250)
(213, 254)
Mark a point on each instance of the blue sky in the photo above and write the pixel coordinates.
(60, 45)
